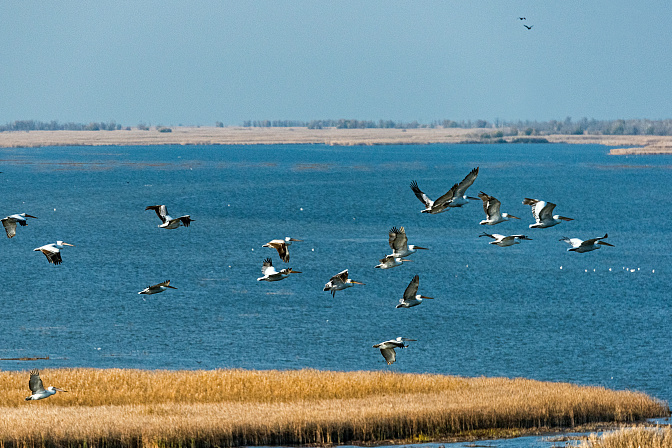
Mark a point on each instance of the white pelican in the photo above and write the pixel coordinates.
(281, 247)
(52, 251)
(585, 246)
(271, 275)
(390, 261)
(387, 348)
(398, 243)
(543, 214)
(504, 241)
(491, 208)
(166, 221)
(340, 281)
(455, 197)
(38, 390)
(411, 296)
(159, 287)
(10, 222)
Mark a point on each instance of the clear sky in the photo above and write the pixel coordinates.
(200, 61)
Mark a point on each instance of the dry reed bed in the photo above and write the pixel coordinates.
(237, 407)
(659, 437)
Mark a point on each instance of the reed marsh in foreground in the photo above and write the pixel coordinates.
(659, 437)
(115, 407)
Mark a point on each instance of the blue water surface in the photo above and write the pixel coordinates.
(533, 310)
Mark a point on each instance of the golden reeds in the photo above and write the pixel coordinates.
(117, 407)
(658, 437)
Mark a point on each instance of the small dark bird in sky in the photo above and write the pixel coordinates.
(522, 18)
(528, 27)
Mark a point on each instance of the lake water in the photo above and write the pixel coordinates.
(533, 310)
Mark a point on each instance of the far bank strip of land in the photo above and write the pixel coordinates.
(628, 144)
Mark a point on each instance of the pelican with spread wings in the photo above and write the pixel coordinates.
(53, 251)
(491, 207)
(455, 197)
(411, 296)
(159, 287)
(581, 246)
(167, 222)
(271, 274)
(399, 243)
(387, 348)
(503, 240)
(37, 388)
(543, 214)
(282, 247)
(339, 282)
(11, 221)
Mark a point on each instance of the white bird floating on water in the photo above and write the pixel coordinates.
(491, 207)
(339, 282)
(455, 197)
(271, 275)
(159, 287)
(543, 214)
(587, 245)
(281, 247)
(398, 243)
(411, 296)
(390, 261)
(387, 348)
(10, 222)
(52, 251)
(503, 240)
(37, 388)
(167, 222)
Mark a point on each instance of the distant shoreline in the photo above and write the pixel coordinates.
(181, 135)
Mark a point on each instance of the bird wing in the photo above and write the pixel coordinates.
(592, 241)
(412, 288)
(341, 277)
(158, 285)
(447, 197)
(282, 249)
(420, 195)
(490, 205)
(161, 211)
(186, 220)
(10, 226)
(35, 383)
(53, 254)
(545, 211)
(466, 183)
(389, 355)
(267, 267)
(398, 239)
(489, 235)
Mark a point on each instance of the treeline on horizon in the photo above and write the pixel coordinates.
(508, 128)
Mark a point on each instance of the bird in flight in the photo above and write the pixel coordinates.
(528, 27)
(522, 18)
(37, 388)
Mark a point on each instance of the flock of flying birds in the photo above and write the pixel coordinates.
(456, 197)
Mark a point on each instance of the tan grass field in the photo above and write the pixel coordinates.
(660, 437)
(184, 135)
(120, 408)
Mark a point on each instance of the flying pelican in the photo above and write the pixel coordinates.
(271, 275)
(398, 243)
(340, 281)
(52, 251)
(453, 198)
(38, 390)
(585, 246)
(159, 287)
(387, 348)
(491, 208)
(166, 221)
(543, 214)
(10, 222)
(504, 241)
(281, 247)
(411, 296)
(390, 261)
(528, 27)
(459, 190)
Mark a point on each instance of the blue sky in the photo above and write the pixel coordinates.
(198, 62)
